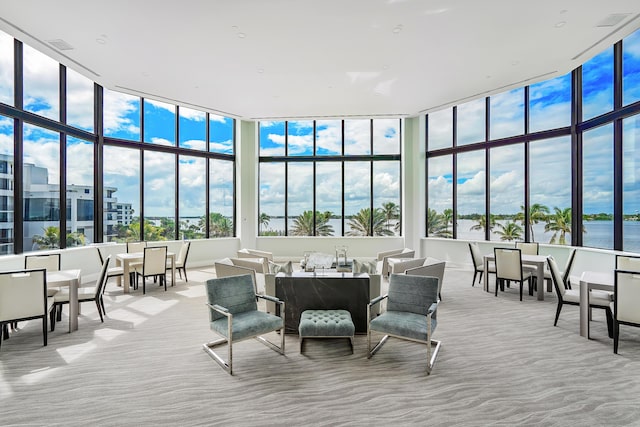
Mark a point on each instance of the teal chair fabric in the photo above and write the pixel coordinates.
(234, 315)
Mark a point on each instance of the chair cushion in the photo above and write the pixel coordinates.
(414, 294)
(286, 268)
(404, 324)
(599, 298)
(235, 293)
(248, 324)
(84, 294)
(326, 323)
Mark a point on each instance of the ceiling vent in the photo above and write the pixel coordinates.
(612, 20)
(60, 44)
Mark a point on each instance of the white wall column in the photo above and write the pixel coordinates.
(414, 182)
(247, 182)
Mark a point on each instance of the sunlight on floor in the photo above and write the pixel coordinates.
(193, 292)
(37, 375)
(74, 352)
(108, 334)
(125, 315)
(151, 305)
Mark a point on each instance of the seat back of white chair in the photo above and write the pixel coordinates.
(476, 256)
(528, 248)
(182, 255)
(102, 279)
(50, 262)
(628, 263)
(567, 267)
(134, 247)
(23, 294)
(154, 260)
(556, 277)
(508, 263)
(627, 296)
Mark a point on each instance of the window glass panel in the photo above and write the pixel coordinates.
(41, 188)
(193, 129)
(550, 191)
(357, 198)
(192, 191)
(272, 138)
(597, 85)
(631, 184)
(80, 195)
(550, 104)
(6, 69)
(159, 196)
(221, 196)
(440, 129)
(300, 199)
(357, 137)
(471, 173)
(159, 122)
(598, 187)
(440, 202)
(471, 122)
(79, 101)
(221, 134)
(386, 198)
(329, 198)
(631, 68)
(41, 84)
(121, 115)
(386, 136)
(272, 199)
(507, 114)
(300, 138)
(328, 137)
(121, 194)
(6, 187)
(507, 192)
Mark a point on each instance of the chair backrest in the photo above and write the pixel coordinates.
(413, 294)
(627, 296)
(50, 262)
(183, 254)
(230, 270)
(628, 263)
(434, 269)
(154, 260)
(567, 267)
(556, 277)
(133, 247)
(476, 256)
(508, 263)
(23, 294)
(235, 293)
(528, 248)
(102, 279)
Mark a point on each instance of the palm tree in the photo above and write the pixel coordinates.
(219, 225)
(360, 223)
(437, 225)
(509, 231)
(75, 239)
(263, 221)
(49, 240)
(391, 211)
(303, 224)
(482, 223)
(560, 223)
(537, 213)
(447, 215)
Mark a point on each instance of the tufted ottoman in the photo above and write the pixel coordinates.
(326, 324)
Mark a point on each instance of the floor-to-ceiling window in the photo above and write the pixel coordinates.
(330, 178)
(545, 176)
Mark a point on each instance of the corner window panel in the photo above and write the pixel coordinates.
(328, 137)
(386, 136)
(193, 128)
(631, 68)
(272, 138)
(300, 199)
(6, 68)
(159, 122)
(192, 190)
(121, 194)
(440, 129)
(507, 192)
(471, 190)
(41, 84)
(221, 197)
(272, 199)
(440, 201)
(507, 114)
(159, 196)
(80, 194)
(121, 115)
(357, 137)
(386, 198)
(300, 138)
(6, 186)
(471, 122)
(79, 101)
(221, 134)
(597, 85)
(41, 189)
(357, 199)
(550, 104)
(597, 193)
(329, 198)
(631, 184)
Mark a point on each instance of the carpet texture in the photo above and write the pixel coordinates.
(502, 363)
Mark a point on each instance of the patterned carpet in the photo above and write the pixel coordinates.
(502, 363)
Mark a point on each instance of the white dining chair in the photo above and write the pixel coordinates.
(625, 303)
(154, 264)
(509, 267)
(85, 294)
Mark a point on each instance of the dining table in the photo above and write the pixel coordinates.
(127, 259)
(70, 279)
(603, 280)
(538, 261)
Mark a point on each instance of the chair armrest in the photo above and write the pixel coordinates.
(268, 298)
(377, 300)
(432, 308)
(220, 309)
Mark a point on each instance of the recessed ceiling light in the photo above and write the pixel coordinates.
(100, 40)
(560, 24)
(242, 35)
(397, 29)
(260, 70)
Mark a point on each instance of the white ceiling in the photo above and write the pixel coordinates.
(287, 59)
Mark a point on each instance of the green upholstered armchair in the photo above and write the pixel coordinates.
(412, 304)
(234, 315)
